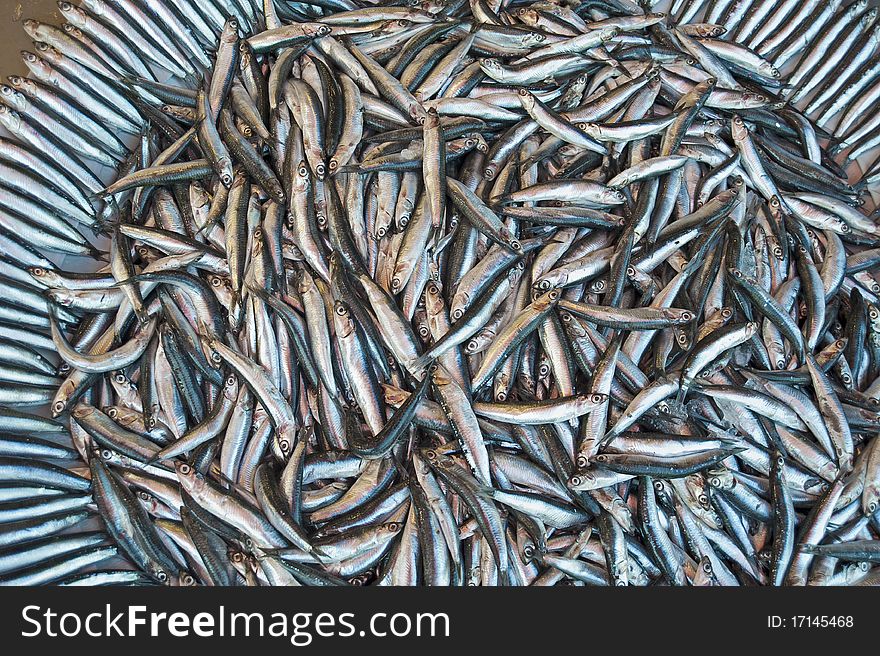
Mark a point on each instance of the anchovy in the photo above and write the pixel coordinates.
(458, 293)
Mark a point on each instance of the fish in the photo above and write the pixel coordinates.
(502, 294)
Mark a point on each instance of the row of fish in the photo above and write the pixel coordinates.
(479, 292)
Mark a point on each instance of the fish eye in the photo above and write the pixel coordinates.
(185, 469)
(230, 381)
(597, 398)
(162, 576)
(284, 445)
(106, 454)
(58, 407)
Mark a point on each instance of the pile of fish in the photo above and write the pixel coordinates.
(494, 292)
